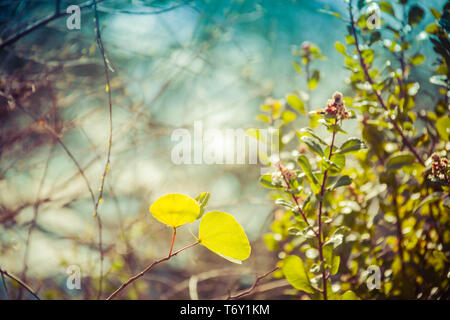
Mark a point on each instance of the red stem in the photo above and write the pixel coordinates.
(173, 240)
(377, 94)
(319, 218)
(295, 199)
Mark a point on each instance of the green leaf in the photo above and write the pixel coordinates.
(374, 37)
(432, 28)
(297, 67)
(342, 181)
(439, 80)
(386, 7)
(417, 59)
(415, 15)
(314, 81)
(436, 196)
(327, 250)
(310, 132)
(340, 47)
(202, 199)
(312, 144)
(335, 265)
(223, 235)
(256, 134)
(296, 103)
(443, 127)
(436, 14)
(368, 55)
(266, 181)
(306, 167)
(175, 209)
(331, 13)
(288, 116)
(399, 160)
(339, 161)
(349, 39)
(352, 145)
(350, 295)
(295, 273)
(263, 117)
(284, 203)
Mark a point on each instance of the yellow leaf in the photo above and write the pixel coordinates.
(223, 235)
(175, 209)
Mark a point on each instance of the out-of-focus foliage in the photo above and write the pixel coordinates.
(392, 216)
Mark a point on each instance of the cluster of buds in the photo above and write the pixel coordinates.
(280, 177)
(439, 167)
(336, 107)
(305, 47)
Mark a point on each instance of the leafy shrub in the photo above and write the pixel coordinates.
(386, 207)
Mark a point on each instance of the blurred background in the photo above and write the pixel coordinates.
(170, 63)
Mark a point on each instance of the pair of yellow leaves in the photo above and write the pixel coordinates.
(218, 231)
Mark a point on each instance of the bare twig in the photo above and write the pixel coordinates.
(20, 282)
(61, 143)
(107, 66)
(134, 278)
(253, 287)
(34, 26)
(4, 283)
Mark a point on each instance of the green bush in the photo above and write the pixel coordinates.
(377, 203)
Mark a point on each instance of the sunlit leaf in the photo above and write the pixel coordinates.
(295, 273)
(296, 103)
(335, 265)
(223, 235)
(314, 81)
(288, 116)
(417, 59)
(202, 199)
(350, 295)
(175, 209)
(266, 181)
(306, 167)
(399, 160)
(443, 127)
(352, 145)
(312, 144)
(309, 131)
(340, 47)
(436, 196)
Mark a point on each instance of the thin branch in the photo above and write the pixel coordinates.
(253, 287)
(143, 272)
(34, 26)
(36, 205)
(61, 143)
(4, 283)
(107, 66)
(319, 218)
(302, 213)
(20, 282)
(143, 12)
